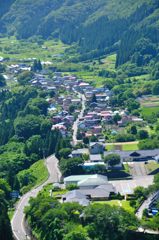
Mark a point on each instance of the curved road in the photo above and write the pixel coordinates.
(140, 211)
(17, 222)
(75, 125)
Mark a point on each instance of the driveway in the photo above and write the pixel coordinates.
(127, 186)
(137, 169)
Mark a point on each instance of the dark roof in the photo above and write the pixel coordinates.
(141, 153)
(135, 154)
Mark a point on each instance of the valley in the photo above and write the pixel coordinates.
(79, 120)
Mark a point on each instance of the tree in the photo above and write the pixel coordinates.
(133, 130)
(34, 145)
(71, 166)
(116, 118)
(132, 104)
(2, 68)
(27, 126)
(155, 89)
(72, 108)
(37, 66)
(112, 159)
(93, 99)
(77, 235)
(37, 103)
(108, 222)
(2, 81)
(143, 134)
(86, 140)
(24, 77)
(64, 152)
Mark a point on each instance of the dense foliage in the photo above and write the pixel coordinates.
(71, 221)
(99, 27)
(5, 228)
(25, 135)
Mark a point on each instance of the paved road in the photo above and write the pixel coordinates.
(75, 125)
(138, 169)
(146, 204)
(139, 213)
(17, 222)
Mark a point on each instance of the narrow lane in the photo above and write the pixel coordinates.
(75, 125)
(17, 222)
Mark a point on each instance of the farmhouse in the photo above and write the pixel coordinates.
(95, 158)
(96, 148)
(86, 181)
(80, 152)
(140, 155)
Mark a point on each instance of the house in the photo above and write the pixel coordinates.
(95, 158)
(76, 196)
(92, 165)
(86, 181)
(97, 130)
(140, 155)
(74, 179)
(124, 121)
(96, 148)
(93, 181)
(83, 196)
(80, 152)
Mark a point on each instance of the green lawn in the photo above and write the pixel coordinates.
(19, 49)
(130, 147)
(36, 175)
(123, 146)
(47, 188)
(119, 203)
(148, 111)
(126, 168)
(11, 213)
(152, 166)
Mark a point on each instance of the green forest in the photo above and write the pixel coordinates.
(107, 43)
(97, 27)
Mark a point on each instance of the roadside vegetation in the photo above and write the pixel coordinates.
(34, 176)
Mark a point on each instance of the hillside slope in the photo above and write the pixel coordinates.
(98, 26)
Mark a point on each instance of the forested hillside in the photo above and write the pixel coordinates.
(98, 27)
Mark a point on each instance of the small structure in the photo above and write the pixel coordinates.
(86, 181)
(76, 196)
(96, 148)
(80, 152)
(139, 155)
(95, 158)
(83, 196)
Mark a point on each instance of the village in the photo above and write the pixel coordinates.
(83, 114)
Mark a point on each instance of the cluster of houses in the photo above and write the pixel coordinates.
(90, 188)
(96, 187)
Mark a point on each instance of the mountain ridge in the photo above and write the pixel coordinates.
(94, 25)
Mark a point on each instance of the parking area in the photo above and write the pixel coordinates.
(125, 187)
(137, 169)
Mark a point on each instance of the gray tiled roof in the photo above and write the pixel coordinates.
(95, 193)
(95, 157)
(95, 180)
(127, 154)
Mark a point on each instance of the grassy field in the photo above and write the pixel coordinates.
(11, 213)
(131, 146)
(47, 188)
(152, 166)
(109, 62)
(148, 111)
(149, 105)
(18, 49)
(36, 175)
(119, 203)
